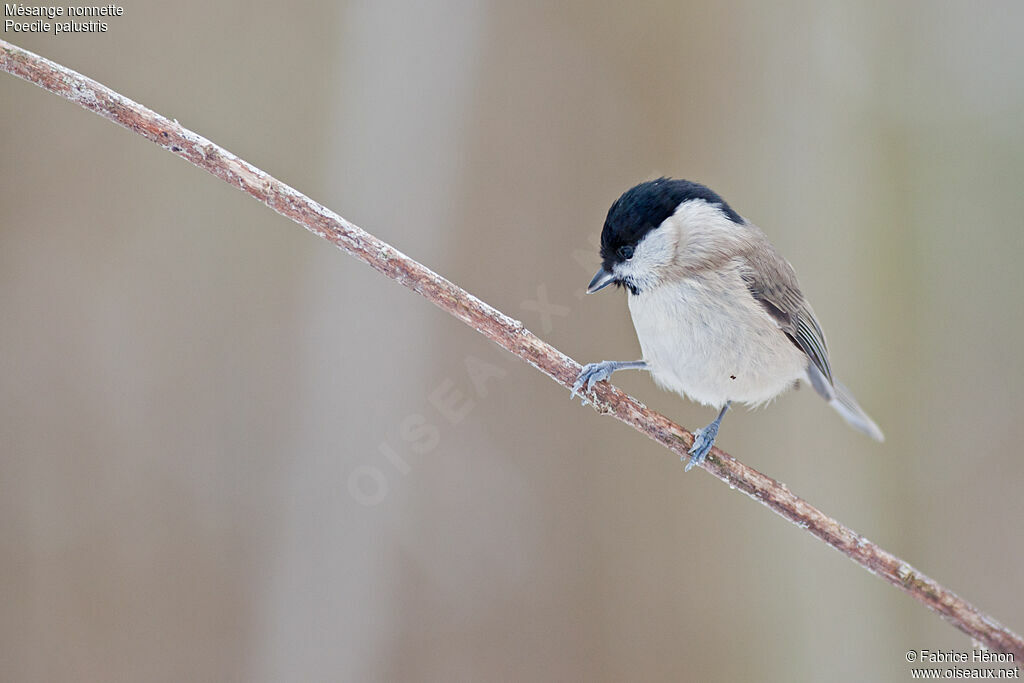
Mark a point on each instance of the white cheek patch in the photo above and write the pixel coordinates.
(655, 252)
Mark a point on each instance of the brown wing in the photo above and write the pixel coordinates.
(772, 282)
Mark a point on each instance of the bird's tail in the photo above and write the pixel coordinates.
(846, 405)
(840, 398)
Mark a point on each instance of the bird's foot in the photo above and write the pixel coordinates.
(592, 372)
(703, 440)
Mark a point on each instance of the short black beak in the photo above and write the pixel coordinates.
(600, 281)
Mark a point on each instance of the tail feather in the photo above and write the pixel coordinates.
(846, 405)
(842, 400)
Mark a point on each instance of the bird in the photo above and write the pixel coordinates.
(718, 312)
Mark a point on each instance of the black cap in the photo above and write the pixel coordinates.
(645, 207)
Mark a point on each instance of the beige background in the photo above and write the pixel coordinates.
(221, 450)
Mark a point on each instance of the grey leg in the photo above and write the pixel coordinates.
(596, 372)
(704, 439)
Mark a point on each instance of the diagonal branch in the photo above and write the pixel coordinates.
(504, 331)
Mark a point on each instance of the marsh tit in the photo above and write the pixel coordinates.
(718, 312)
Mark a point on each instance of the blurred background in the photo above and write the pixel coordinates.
(229, 452)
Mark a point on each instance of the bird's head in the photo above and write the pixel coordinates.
(653, 229)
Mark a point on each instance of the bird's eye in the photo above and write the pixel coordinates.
(625, 252)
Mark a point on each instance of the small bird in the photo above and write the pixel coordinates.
(718, 312)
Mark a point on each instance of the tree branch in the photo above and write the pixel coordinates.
(504, 331)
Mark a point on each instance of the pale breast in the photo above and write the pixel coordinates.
(707, 338)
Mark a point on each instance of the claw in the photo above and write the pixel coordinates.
(703, 440)
(591, 372)
(598, 372)
(576, 386)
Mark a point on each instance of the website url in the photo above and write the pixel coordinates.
(978, 673)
